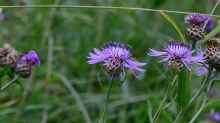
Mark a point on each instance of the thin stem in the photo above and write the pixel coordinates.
(199, 111)
(9, 83)
(203, 104)
(156, 115)
(212, 12)
(77, 97)
(47, 36)
(103, 116)
(150, 111)
(199, 91)
(106, 7)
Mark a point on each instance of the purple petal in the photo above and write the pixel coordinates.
(199, 58)
(156, 53)
(215, 117)
(190, 60)
(95, 57)
(135, 66)
(30, 57)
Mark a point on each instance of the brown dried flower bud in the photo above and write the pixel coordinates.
(8, 56)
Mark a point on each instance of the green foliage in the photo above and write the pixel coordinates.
(71, 33)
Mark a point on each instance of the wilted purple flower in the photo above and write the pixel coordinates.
(215, 117)
(115, 57)
(177, 55)
(31, 58)
(200, 20)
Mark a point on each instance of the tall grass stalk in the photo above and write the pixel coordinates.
(107, 7)
(161, 106)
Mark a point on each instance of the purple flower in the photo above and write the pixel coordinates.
(26, 62)
(177, 55)
(115, 57)
(30, 58)
(215, 117)
(201, 71)
(200, 20)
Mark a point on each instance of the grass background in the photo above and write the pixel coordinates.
(63, 37)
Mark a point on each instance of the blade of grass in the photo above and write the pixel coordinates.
(9, 83)
(156, 115)
(199, 111)
(150, 111)
(76, 96)
(176, 27)
(107, 7)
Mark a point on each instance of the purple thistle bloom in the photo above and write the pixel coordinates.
(30, 58)
(115, 57)
(200, 20)
(26, 62)
(215, 117)
(177, 55)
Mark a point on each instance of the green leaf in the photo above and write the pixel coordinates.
(176, 27)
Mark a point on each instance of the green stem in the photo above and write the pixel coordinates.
(106, 7)
(9, 83)
(198, 93)
(103, 116)
(156, 115)
(200, 110)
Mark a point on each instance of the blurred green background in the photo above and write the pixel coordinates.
(63, 37)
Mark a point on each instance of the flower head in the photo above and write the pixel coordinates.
(30, 58)
(8, 56)
(212, 54)
(115, 57)
(26, 62)
(200, 20)
(177, 55)
(215, 117)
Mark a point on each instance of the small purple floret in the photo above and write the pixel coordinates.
(200, 20)
(201, 71)
(215, 117)
(30, 58)
(115, 57)
(177, 54)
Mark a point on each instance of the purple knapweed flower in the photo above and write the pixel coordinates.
(215, 117)
(115, 57)
(26, 62)
(177, 55)
(200, 20)
(31, 58)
